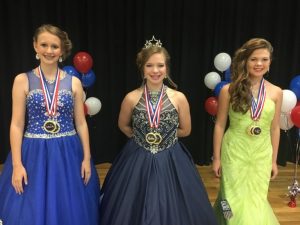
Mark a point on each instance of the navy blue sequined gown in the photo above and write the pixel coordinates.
(154, 186)
(55, 194)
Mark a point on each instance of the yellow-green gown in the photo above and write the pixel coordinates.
(246, 170)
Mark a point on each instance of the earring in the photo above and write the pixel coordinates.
(37, 56)
(60, 59)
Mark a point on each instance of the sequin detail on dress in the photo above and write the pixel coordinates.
(37, 113)
(167, 127)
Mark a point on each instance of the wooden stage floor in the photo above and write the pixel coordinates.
(277, 192)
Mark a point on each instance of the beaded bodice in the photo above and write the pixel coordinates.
(36, 108)
(167, 127)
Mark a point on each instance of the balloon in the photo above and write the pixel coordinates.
(72, 71)
(93, 105)
(219, 86)
(296, 92)
(212, 79)
(285, 121)
(289, 100)
(88, 79)
(295, 116)
(222, 61)
(83, 62)
(228, 75)
(295, 86)
(211, 105)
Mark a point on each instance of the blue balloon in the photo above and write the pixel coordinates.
(297, 92)
(228, 75)
(219, 86)
(72, 71)
(88, 79)
(295, 86)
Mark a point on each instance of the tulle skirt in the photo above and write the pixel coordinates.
(142, 188)
(55, 194)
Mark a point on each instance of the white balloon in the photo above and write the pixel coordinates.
(211, 80)
(222, 61)
(285, 121)
(93, 105)
(289, 101)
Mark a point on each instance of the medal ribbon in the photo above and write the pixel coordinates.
(152, 111)
(51, 102)
(257, 106)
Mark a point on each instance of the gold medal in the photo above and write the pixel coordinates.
(57, 128)
(254, 130)
(153, 138)
(158, 138)
(256, 108)
(150, 138)
(50, 126)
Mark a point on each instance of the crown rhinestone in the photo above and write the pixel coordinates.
(153, 42)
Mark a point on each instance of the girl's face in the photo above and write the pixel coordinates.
(155, 68)
(259, 62)
(48, 47)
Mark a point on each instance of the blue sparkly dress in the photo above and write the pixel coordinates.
(55, 194)
(154, 185)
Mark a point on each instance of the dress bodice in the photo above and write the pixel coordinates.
(241, 122)
(167, 128)
(36, 111)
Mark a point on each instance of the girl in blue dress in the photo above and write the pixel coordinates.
(48, 177)
(154, 181)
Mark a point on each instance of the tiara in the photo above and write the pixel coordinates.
(153, 42)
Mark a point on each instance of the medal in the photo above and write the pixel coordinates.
(50, 126)
(153, 138)
(256, 109)
(150, 138)
(158, 138)
(254, 130)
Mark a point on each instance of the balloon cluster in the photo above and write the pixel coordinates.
(289, 117)
(213, 81)
(82, 69)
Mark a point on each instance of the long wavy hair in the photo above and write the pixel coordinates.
(240, 87)
(146, 53)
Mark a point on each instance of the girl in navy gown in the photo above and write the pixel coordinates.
(48, 177)
(154, 181)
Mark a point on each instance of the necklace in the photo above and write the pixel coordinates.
(50, 81)
(154, 96)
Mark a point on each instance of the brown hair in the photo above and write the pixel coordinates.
(144, 55)
(239, 88)
(66, 43)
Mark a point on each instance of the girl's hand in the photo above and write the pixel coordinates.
(19, 175)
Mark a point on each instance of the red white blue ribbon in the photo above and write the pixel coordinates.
(152, 110)
(51, 102)
(258, 105)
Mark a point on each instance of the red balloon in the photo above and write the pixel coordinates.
(211, 105)
(295, 116)
(83, 62)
